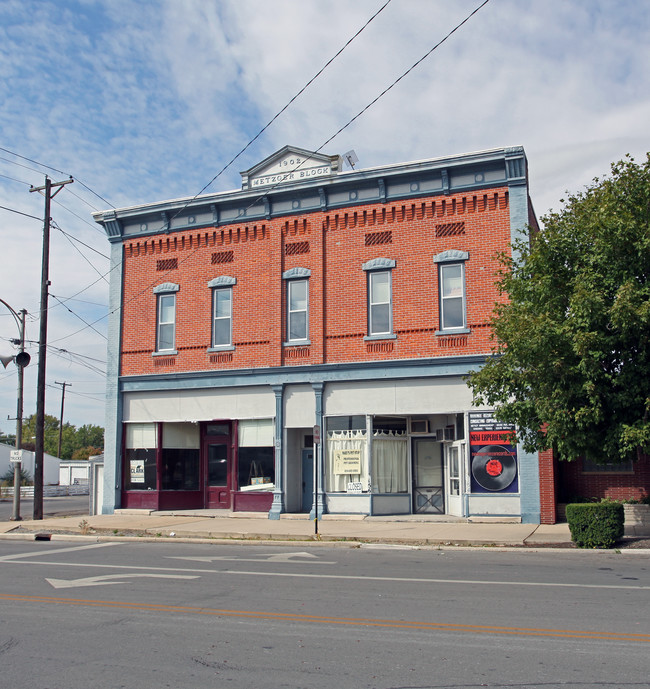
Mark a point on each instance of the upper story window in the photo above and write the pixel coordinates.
(222, 311)
(297, 305)
(297, 310)
(452, 293)
(166, 317)
(380, 297)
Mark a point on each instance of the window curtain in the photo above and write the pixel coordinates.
(390, 462)
(256, 433)
(346, 440)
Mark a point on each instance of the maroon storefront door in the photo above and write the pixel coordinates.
(217, 456)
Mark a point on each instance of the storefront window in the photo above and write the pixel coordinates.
(390, 462)
(346, 461)
(140, 456)
(256, 455)
(180, 456)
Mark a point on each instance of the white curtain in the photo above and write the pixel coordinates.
(345, 440)
(141, 436)
(181, 436)
(256, 433)
(390, 462)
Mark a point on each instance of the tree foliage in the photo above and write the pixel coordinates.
(572, 337)
(72, 439)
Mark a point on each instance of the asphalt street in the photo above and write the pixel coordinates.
(65, 505)
(197, 615)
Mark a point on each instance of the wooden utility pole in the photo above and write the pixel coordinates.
(42, 344)
(63, 387)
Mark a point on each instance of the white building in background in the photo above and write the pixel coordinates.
(50, 464)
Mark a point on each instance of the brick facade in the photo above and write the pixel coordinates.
(576, 483)
(332, 229)
(333, 246)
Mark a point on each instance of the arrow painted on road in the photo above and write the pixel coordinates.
(277, 557)
(105, 580)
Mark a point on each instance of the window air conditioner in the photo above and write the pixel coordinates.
(446, 434)
(419, 426)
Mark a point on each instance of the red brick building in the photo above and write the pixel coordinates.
(313, 302)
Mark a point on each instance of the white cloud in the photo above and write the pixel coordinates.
(148, 100)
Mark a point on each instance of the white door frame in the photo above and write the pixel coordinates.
(455, 465)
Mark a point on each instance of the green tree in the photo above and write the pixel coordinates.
(50, 432)
(89, 436)
(86, 452)
(572, 337)
(72, 439)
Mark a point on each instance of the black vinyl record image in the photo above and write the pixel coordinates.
(494, 467)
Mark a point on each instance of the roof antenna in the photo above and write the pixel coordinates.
(351, 158)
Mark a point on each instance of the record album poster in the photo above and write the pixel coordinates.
(493, 457)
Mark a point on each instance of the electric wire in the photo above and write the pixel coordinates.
(27, 215)
(49, 167)
(331, 138)
(74, 239)
(89, 325)
(300, 92)
(238, 155)
(13, 179)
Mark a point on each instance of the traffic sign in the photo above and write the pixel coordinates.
(16, 456)
(316, 432)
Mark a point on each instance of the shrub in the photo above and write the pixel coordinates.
(595, 525)
(7, 478)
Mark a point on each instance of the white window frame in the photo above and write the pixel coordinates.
(372, 275)
(291, 284)
(215, 318)
(446, 299)
(447, 260)
(160, 324)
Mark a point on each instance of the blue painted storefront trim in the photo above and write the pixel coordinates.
(325, 373)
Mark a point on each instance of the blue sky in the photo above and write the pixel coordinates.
(147, 100)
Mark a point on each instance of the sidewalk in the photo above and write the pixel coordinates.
(409, 530)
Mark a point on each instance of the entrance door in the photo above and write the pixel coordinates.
(427, 476)
(454, 453)
(307, 480)
(217, 454)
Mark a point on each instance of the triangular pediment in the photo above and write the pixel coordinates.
(290, 165)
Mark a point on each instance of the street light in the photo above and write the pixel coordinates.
(21, 360)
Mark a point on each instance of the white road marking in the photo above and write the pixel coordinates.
(278, 557)
(104, 580)
(346, 577)
(38, 553)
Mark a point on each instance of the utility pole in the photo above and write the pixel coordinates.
(42, 344)
(19, 417)
(21, 360)
(63, 387)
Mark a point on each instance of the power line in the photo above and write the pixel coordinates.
(331, 138)
(49, 167)
(90, 325)
(266, 126)
(13, 179)
(275, 117)
(27, 215)
(75, 239)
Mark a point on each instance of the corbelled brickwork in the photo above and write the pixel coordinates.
(333, 245)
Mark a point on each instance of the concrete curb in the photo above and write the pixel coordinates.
(378, 545)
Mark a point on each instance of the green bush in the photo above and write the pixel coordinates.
(7, 478)
(595, 525)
